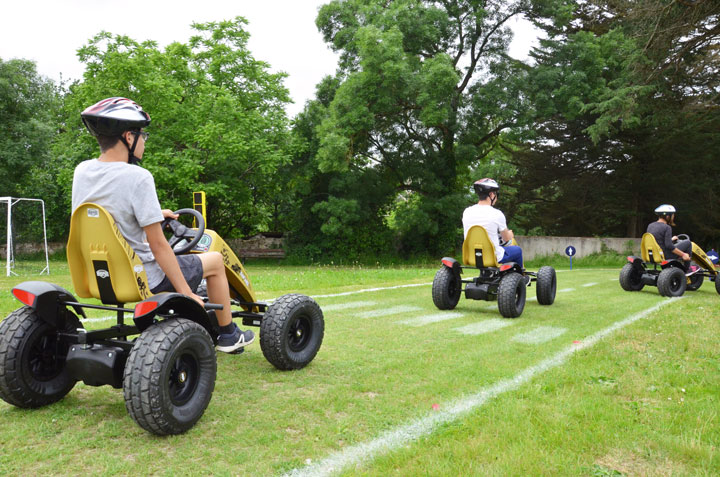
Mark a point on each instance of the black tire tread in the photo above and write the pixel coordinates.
(507, 303)
(273, 332)
(141, 380)
(626, 281)
(665, 280)
(441, 295)
(546, 285)
(14, 329)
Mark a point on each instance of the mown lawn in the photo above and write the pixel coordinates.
(642, 401)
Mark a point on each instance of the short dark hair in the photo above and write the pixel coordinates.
(107, 142)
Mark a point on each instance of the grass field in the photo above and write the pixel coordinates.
(603, 382)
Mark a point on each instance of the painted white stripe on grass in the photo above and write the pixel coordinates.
(566, 290)
(366, 290)
(394, 310)
(414, 430)
(483, 327)
(98, 320)
(541, 334)
(434, 318)
(348, 305)
(591, 284)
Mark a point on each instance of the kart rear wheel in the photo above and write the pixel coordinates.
(672, 282)
(694, 282)
(546, 285)
(32, 359)
(446, 289)
(511, 295)
(170, 376)
(717, 283)
(631, 278)
(291, 331)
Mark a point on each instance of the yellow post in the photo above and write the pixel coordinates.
(199, 205)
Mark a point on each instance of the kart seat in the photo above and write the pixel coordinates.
(650, 250)
(478, 250)
(102, 263)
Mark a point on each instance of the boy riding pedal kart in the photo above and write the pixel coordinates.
(500, 265)
(117, 252)
(683, 265)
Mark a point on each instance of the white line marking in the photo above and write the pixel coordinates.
(590, 284)
(372, 290)
(483, 327)
(541, 334)
(400, 436)
(434, 318)
(345, 306)
(97, 320)
(395, 310)
(566, 290)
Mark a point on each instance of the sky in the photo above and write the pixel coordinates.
(282, 33)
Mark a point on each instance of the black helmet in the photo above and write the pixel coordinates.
(113, 116)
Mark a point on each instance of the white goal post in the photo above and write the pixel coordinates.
(10, 256)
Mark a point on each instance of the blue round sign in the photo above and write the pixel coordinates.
(570, 251)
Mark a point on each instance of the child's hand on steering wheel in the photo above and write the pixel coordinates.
(169, 214)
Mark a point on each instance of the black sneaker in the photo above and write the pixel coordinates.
(230, 342)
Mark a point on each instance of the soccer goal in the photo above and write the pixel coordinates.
(23, 232)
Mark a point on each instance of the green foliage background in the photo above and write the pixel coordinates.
(614, 113)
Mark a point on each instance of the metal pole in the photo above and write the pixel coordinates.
(47, 261)
(9, 236)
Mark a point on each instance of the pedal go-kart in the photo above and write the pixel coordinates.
(669, 275)
(507, 283)
(164, 361)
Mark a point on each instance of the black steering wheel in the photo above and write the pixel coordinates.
(683, 237)
(181, 232)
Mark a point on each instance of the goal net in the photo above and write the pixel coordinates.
(23, 237)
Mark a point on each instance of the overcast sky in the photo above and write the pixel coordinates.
(283, 33)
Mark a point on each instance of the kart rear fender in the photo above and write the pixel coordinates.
(637, 263)
(175, 304)
(672, 263)
(510, 267)
(47, 299)
(453, 265)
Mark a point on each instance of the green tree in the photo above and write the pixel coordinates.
(29, 112)
(418, 104)
(625, 104)
(218, 119)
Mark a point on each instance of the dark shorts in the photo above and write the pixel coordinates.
(192, 270)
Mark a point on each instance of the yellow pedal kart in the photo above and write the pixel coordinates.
(507, 283)
(668, 274)
(164, 359)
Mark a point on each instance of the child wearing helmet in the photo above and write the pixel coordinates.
(661, 229)
(127, 192)
(493, 220)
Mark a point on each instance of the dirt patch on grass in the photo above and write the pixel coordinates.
(632, 464)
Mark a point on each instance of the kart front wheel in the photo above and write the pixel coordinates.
(631, 278)
(717, 283)
(32, 359)
(446, 289)
(694, 282)
(511, 295)
(546, 285)
(291, 331)
(170, 376)
(672, 282)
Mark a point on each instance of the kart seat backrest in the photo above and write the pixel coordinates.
(650, 250)
(102, 263)
(478, 250)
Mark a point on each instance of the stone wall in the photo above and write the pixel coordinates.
(539, 246)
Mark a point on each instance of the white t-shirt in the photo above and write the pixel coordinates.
(491, 219)
(128, 193)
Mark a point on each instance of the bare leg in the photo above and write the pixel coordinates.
(217, 285)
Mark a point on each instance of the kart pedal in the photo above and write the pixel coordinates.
(237, 351)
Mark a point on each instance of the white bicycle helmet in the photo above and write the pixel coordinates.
(484, 186)
(665, 209)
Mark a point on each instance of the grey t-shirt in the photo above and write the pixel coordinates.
(128, 193)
